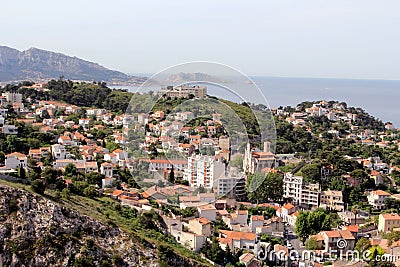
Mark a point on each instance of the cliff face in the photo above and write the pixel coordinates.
(35, 231)
(37, 64)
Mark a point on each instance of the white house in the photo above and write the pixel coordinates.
(107, 182)
(65, 141)
(192, 241)
(16, 160)
(239, 240)
(107, 169)
(9, 129)
(111, 157)
(377, 199)
(207, 211)
(256, 221)
(58, 151)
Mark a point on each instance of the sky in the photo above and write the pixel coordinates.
(297, 38)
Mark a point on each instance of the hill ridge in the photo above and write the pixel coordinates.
(37, 64)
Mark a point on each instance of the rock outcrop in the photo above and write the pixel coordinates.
(35, 231)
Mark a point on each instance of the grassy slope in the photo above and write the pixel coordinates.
(101, 208)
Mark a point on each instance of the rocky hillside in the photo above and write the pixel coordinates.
(35, 231)
(35, 64)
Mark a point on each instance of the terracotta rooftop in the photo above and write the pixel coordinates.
(346, 235)
(207, 207)
(288, 206)
(332, 234)
(390, 216)
(238, 235)
(380, 193)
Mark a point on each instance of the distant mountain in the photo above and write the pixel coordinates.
(189, 77)
(36, 64)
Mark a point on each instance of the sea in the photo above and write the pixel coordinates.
(380, 98)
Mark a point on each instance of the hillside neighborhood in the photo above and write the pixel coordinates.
(329, 204)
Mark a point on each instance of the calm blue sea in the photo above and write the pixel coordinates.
(380, 98)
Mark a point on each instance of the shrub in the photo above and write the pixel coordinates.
(38, 186)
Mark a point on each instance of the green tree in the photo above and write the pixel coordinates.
(111, 146)
(90, 191)
(21, 173)
(310, 223)
(264, 188)
(312, 244)
(38, 186)
(375, 251)
(66, 193)
(70, 170)
(311, 172)
(2, 157)
(302, 227)
(50, 175)
(45, 114)
(216, 253)
(94, 178)
(171, 177)
(237, 161)
(362, 245)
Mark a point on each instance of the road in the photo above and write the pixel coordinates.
(294, 240)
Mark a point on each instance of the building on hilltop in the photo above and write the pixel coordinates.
(184, 91)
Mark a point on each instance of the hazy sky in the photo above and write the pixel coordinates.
(298, 38)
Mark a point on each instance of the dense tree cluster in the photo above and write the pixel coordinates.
(310, 223)
(77, 93)
(263, 187)
(214, 252)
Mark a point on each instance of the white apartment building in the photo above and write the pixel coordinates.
(377, 199)
(233, 187)
(310, 194)
(292, 186)
(203, 171)
(13, 97)
(16, 160)
(162, 164)
(107, 169)
(255, 160)
(301, 193)
(184, 91)
(58, 151)
(332, 200)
